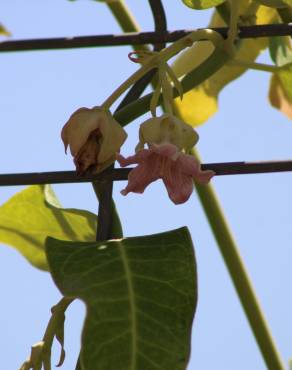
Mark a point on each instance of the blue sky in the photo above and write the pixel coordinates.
(39, 91)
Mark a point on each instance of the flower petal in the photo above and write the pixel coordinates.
(94, 137)
(167, 128)
(78, 128)
(178, 184)
(165, 150)
(145, 173)
(142, 155)
(177, 170)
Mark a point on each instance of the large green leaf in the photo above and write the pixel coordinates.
(203, 4)
(31, 215)
(140, 295)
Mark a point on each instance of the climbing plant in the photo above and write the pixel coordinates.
(141, 292)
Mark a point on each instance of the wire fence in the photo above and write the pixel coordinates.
(158, 37)
(103, 182)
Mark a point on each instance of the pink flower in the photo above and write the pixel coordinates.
(166, 162)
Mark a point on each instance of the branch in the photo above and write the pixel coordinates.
(121, 174)
(159, 20)
(104, 188)
(136, 38)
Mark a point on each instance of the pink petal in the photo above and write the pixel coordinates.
(178, 184)
(165, 161)
(140, 177)
(190, 166)
(133, 159)
(165, 150)
(203, 177)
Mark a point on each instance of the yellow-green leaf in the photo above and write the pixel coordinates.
(203, 4)
(4, 31)
(33, 214)
(201, 103)
(280, 93)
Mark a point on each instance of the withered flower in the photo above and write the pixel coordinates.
(94, 137)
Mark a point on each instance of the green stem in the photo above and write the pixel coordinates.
(167, 91)
(60, 309)
(155, 98)
(255, 66)
(57, 319)
(211, 65)
(129, 82)
(233, 23)
(233, 261)
(187, 41)
(239, 275)
(123, 15)
(162, 57)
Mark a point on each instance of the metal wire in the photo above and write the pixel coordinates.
(135, 38)
(121, 174)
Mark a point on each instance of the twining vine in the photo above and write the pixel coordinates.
(141, 292)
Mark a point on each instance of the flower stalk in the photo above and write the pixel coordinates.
(229, 250)
(257, 66)
(156, 59)
(238, 273)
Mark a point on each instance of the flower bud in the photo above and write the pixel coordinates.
(167, 129)
(94, 137)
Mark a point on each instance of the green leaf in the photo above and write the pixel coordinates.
(140, 295)
(280, 50)
(203, 4)
(31, 215)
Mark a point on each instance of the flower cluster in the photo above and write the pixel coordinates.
(95, 137)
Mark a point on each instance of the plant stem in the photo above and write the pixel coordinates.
(167, 91)
(123, 16)
(211, 65)
(163, 57)
(187, 41)
(60, 308)
(255, 66)
(129, 82)
(57, 319)
(238, 273)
